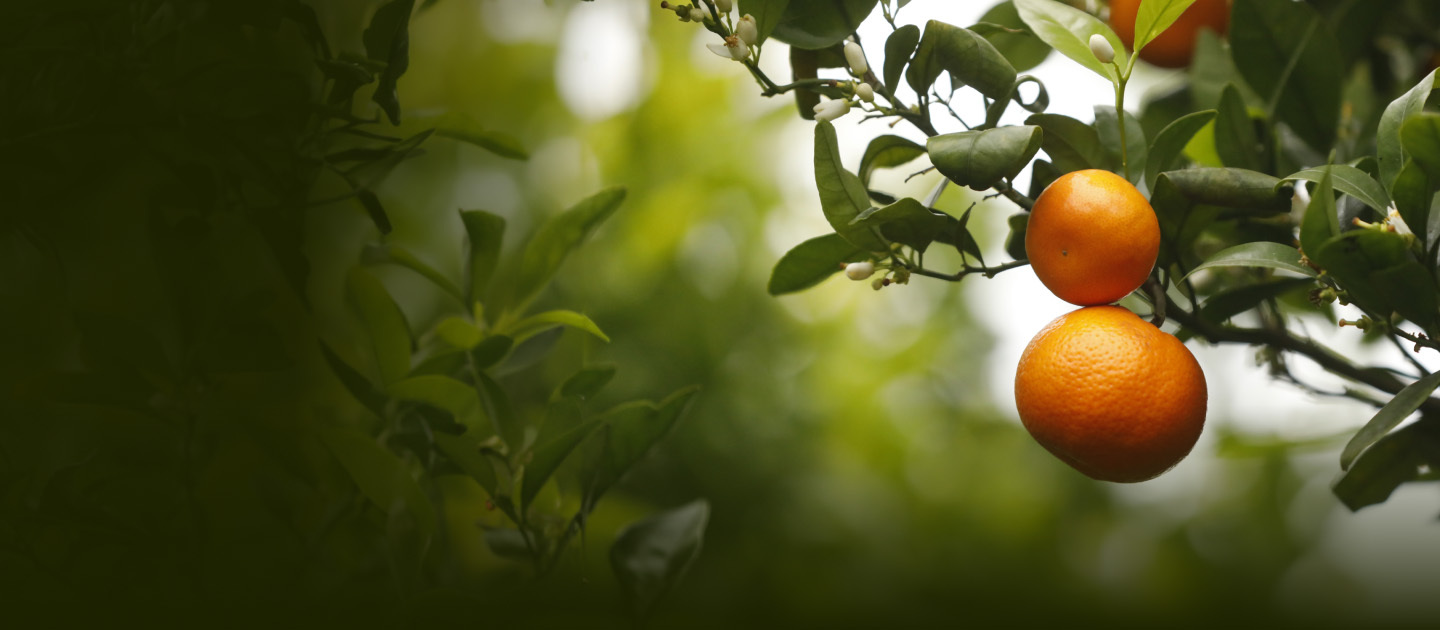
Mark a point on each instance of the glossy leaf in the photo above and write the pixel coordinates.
(1390, 416)
(1258, 254)
(842, 195)
(374, 209)
(1154, 16)
(1222, 306)
(1420, 135)
(1321, 221)
(464, 452)
(394, 254)
(1286, 53)
(541, 322)
(651, 556)
(1390, 151)
(1072, 145)
(813, 24)
(1009, 34)
(484, 233)
(547, 457)
(630, 431)
(1392, 460)
(1413, 195)
(1015, 238)
(387, 39)
(381, 476)
(899, 47)
(458, 126)
(1170, 143)
(355, 382)
(811, 262)
(965, 55)
(1231, 188)
(908, 222)
(1351, 181)
(446, 393)
(887, 151)
(1235, 139)
(384, 323)
(1107, 129)
(767, 14)
(981, 159)
(559, 236)
(1068, 30)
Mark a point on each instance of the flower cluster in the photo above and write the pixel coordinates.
(740, 35)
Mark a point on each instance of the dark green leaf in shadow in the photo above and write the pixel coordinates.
(1390, 152)
(559, 236)
(372, 207)
(630, 431)
(1258, 193)
(464, 452)
(651, 556)
(384, 323)
(1258, 254)
(1107, 129)
(887, 151)
(529, 353)
(842, 195)
(588, 381)
(1420, 135)
(1015, 239)
(909, 222)
(375, 254)
(356, 383)
(898, 49)
(809, 263)
(1235, 139)
(1390, 416)
(965, 55)
(1231, 302)
(1009, 34)
(1413, 193)
(1321, 221)
(443, 392)
(484, 234)
(491, 350)
(1072, 145)
(509, 426)
(981, 159)
(507, 543)
(548, 456)
(1169, 145)
(813, 24)
(1285, 53)
(381, 476)
(1392, 460)
(387, 39)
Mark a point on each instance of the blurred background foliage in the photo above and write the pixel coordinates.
(168, 272)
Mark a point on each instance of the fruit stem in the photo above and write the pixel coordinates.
(1120, 120)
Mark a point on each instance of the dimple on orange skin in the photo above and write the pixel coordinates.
(1111, 395)
(1092, 238)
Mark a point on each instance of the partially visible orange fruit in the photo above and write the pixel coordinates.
(1174, 47)
(1110, 394)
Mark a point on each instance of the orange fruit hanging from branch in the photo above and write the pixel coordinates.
(1092, 238)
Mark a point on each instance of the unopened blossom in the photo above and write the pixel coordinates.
(724, 5)
(865, 92)
(830, 110)
(856, 58)
(1101, 48)
(859, 270)
(746, 30)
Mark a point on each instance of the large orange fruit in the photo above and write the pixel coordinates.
(1092, 238)
(1110, 394)
(1174, 47)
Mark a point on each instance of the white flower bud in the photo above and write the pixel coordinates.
(830, 110)
(865, 92)
(746, 30)
(1101, 48)
(724, 5)
(856, 58)
(698, 13)
(859, 270)
(1300, 200)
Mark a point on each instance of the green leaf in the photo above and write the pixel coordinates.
(965, 55)
(809, 263)
(1222, 306)
(981, 159)
(1392, 460)
(387, 39)
(1258, 254)
(767, 14)
(459, 333)
(559, 236)
(1235, 139)
(1072, 145)
(381, 476)
(1321, 221)
(541, 322)
(651, 556)
(909, 222)
(842, 195)
(1015, 239)
(1068, 30)
(443, 392)
(508, 426)
(1286, 53)
(1009, 34)
(1351, 181)
(394, 254)
(1154, 16)
(898, 49)
(1413, 193)
(1420, 135)
(358, 386)
(631, 430)
(548, 457)
(372, 207)
(814, 24)
(458, 126)
(1169, 145)
(1389, 416)
(1107, 129)
(1389, 149)
(887, 151)
(1255, 192)
(384, 323)
(1375, 268)
(508, 543)
(485, 232)
(491, 350)
(587, 382)
(464, 452)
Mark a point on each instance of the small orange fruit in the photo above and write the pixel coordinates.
(1174, 47)
(1092, 237)
(1110, 394)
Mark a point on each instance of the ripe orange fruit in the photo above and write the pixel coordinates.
(1092, 237)
(1174, 47)
(1110, 394)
